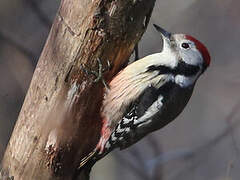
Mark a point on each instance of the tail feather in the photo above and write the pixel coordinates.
(87, 158)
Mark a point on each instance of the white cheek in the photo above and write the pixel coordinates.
(192, 57)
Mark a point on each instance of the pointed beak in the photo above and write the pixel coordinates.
(165, 34)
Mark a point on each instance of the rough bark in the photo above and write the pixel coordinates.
(59, 122)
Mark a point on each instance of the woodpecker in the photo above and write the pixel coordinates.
(149, 93)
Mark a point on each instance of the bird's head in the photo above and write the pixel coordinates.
(188, 49)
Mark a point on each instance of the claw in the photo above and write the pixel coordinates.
(109, 66)
(99, 73)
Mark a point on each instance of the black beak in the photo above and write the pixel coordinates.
(162, 31)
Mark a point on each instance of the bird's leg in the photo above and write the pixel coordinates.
(99, 73)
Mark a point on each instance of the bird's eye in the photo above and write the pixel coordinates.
(185, 45)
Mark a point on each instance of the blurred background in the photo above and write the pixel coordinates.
(203, 143)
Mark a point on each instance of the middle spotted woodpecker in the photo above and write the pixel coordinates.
(149, 93)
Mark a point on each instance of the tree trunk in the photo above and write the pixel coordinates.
(59, 122)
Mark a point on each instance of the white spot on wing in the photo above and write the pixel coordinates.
(113, 137)
(119, 130)
(147, 122)
(108, 145)
(121, 138)
(151, 111)
(126, 120)
(127, 129)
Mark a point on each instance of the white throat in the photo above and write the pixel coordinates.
(185, 81)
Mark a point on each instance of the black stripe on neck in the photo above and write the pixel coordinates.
(182, 69)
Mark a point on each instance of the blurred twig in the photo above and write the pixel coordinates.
(137, 155)
(139, 172)
(154, 145)
(143, 167)
(229, 167)
(205, 148)
(226, 132)
(40, 14)
(42, 17)
(229, 121)
(155, 172)
(18, 46)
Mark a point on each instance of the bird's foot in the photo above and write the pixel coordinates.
(99, 73)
